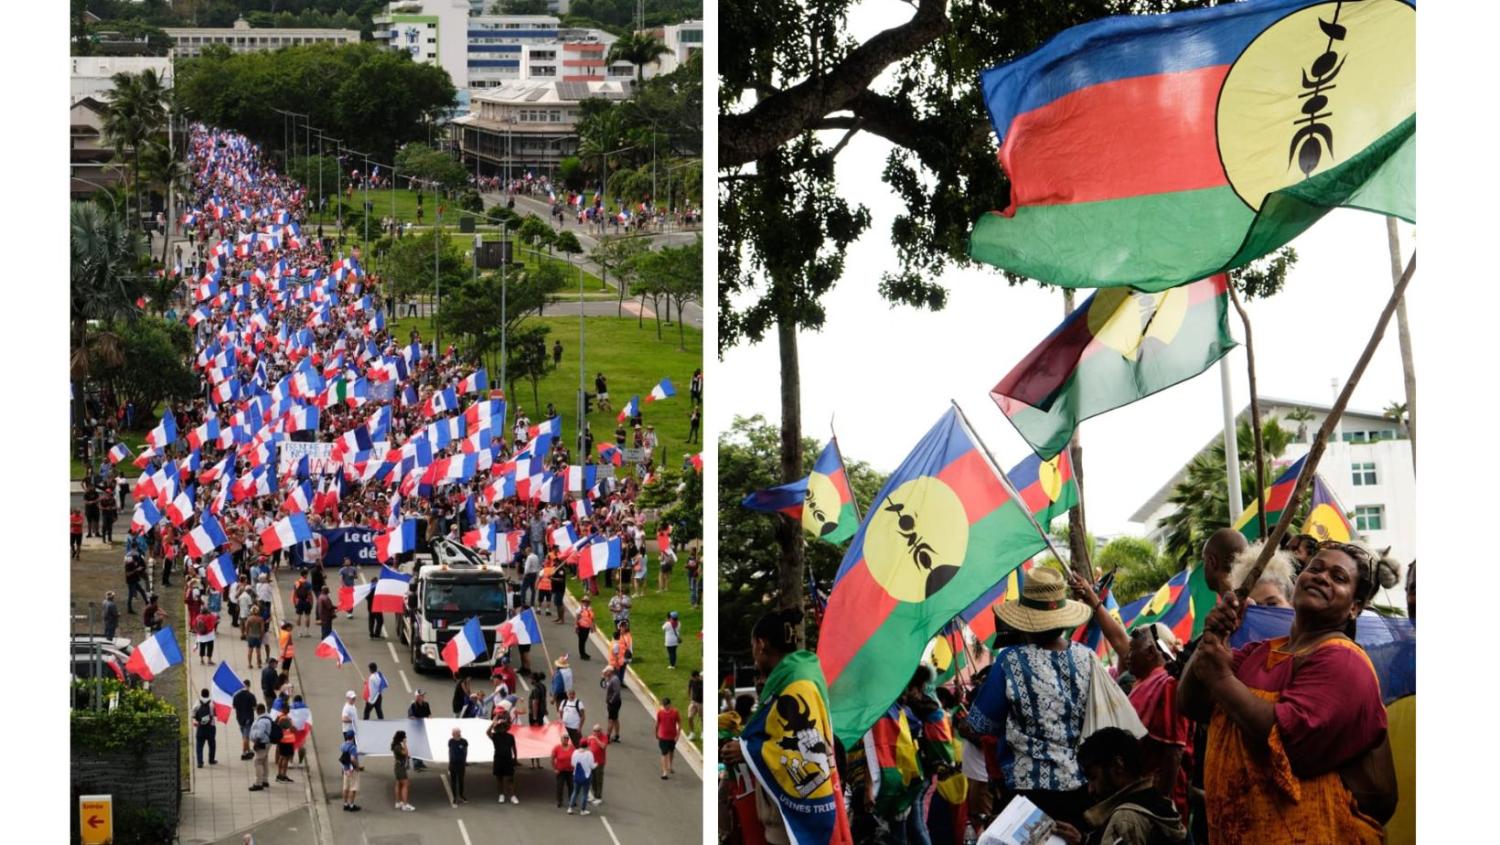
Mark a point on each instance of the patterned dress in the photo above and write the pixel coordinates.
(1034, 702)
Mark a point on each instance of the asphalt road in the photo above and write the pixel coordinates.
(639, 807)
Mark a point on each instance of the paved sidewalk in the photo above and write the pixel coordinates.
(220, 802)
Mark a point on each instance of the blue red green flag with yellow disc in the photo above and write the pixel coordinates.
(1119, 346)
(943, 530)
(1276, 498)
(1149, 150)
(1326, 519)
(1172, 605)
(822, 502)
(788, 744)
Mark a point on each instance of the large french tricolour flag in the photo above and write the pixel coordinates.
(662, 390)
(157, 654)
(476, 383)
(221, 572)
(165, 433)
(332, 648)
(222, 692)
(564, 537)
(390, 591)
(205, 538)
(284, 533)
(465, 647)
(631, 409)
(522, 629)
(181, 508)
(581, 478)
(402, 538)
(597, 557)
(375, 684)
(351, 596)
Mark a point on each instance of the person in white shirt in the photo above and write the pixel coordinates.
(583, 770)
(571, 713)
(350, 715)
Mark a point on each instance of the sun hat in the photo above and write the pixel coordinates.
(1164, 640)
(349, 694)
(1044, 604)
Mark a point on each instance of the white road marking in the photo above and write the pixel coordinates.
(446, 788)
(464, 832)
(610, 830)
(404, 682)
(392, 647)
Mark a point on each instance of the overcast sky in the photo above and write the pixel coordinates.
(886, 373)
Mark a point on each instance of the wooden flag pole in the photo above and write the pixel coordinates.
(1310, 468)
(1010, 489)
(858, 514)
(1078, 532)
(1260, 457)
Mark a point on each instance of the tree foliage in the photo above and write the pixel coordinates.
(371, 98)
(438, 166)
(748, 555)
(1138, 567)
(409, 263)
(620, 14)
(153, 365)
(677, 495)
(1202, 495)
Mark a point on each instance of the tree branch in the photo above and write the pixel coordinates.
(781, 117)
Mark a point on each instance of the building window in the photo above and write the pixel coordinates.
(1364, 474)
(1356, 437)
(1369, 517)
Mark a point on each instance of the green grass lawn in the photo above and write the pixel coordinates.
(631, 358)
(647, 613)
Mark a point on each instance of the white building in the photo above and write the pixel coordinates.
(93, 76)
(483, 7)
(528, 125)
(1368, 465)
(242, 38)
(683, 39)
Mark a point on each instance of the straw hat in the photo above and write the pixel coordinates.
(1044, 604)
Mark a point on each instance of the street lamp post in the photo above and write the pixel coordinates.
(367, 194)
(582, 396)
(504, 349)
(320, 171)
(437, 279)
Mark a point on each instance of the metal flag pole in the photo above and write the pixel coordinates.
(1310, 468)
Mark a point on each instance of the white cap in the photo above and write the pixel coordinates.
(349, 694)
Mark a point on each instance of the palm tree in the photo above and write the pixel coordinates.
(1396, 411)
(106, 280)
(1300, 416)
(640, 49)
(137, 112)
(166, 174)
(1202, 496)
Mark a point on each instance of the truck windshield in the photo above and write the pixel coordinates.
(466, 598)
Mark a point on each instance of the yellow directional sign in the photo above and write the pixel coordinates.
(96, 819)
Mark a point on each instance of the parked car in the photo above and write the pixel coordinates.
(113, 655)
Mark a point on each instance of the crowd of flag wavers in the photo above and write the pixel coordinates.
(292, 347)
(1272, 717)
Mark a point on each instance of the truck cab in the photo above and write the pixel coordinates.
(454, 585)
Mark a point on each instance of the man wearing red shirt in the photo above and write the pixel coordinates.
(562, 765)
(597, 742)
(1167, 747)
(668, 721)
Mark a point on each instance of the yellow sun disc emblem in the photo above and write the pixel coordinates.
(1050, 475)
(1123, 319)
(1313, 90)
(820, 510)
(916, 539)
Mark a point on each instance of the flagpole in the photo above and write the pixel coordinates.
(1260, 458)
(1309, 469)
(1078, 532)
(858, 514)
(1010, 489)
(1231, 444)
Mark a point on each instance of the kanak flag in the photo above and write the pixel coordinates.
(598, 557)
(465, 647)
(206, 537)
(351, 596)
(332, 648)
(284, 533)
(662, 390)
(222, 692)
(521, 629)
(402, 538)
(390, 591)
(221, 572)
(157, 654)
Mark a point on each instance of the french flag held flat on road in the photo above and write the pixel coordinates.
(402, 538)
(521, 630)
(332, 648)
(157, 654)
(284, 533)
(221, 572)
(222, 691)
(390, 592)
(465, 647)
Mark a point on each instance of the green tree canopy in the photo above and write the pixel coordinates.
(1202, 496)
(410, 264)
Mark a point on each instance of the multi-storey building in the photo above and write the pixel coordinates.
(242, 38)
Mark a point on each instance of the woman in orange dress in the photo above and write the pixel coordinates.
(1285, 715)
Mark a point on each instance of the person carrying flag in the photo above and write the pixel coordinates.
(375, 686)
(244, 716)
(327, 611)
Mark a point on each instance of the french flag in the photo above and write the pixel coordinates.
(479, 382)
(611, 453)
(355, 440)
(484, 415)
(146, 516)
(332, 648)
(284, 533)
(222, 692)
(597, 557)
(443, 400)
(662, 390)
(302, 418)
(301, 718)
(581, 478)
(390, 592)
(465, 647)
(221, 572)
(300, 499)
(181, 508)
(157, 654)
(205, 538)
(521, 629)
(118, 452)
(582, 509)
(375, 684)
(206, 433)
(549, 428)
(351, 596)
(165, 433)
(402, 538)
(564, 537)
(631, 409)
